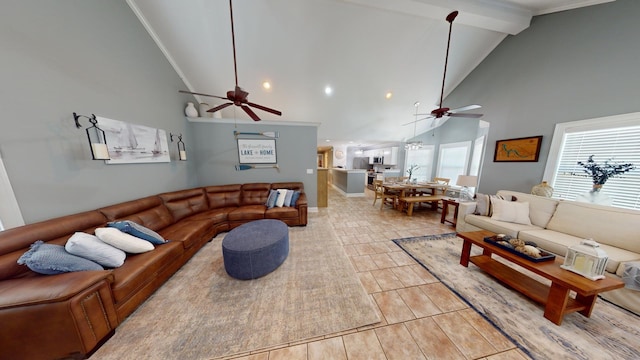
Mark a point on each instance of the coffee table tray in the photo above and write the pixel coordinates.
(544, 256)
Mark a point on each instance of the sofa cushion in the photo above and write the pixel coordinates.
(221, 196)
(246, 213)
(498, 227)
(282, 196)
(52, 259)
(288, 197)
(511, 211)
(558, 243)
(605, 224)
(137, 230)
(295, 197)
(541, 209)
(271, 200)
(149, 212)
(141, 269)
(90, 247)
(255, 193)
(184, 203)
(281, 213)
(190, 232)
(122, 241)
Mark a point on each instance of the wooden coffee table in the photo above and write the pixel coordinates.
(555, 298)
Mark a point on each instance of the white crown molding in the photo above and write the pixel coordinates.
(251, 122)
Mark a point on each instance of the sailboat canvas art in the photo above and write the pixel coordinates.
(130, 143)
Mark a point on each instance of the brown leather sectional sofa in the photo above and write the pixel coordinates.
(67, 316)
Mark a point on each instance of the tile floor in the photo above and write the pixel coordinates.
(420, 317)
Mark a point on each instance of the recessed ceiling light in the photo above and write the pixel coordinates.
(266, 85)
(328, 140)
(328, 90)
(388, 95)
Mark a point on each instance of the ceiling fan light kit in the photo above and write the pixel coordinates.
(237, 96)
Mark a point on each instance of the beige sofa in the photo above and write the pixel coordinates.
(558, 224)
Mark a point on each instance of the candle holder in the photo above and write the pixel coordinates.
(586, 259)
(96, 136)
(182, 150)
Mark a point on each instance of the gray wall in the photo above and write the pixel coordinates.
(567, 66)
(216, 154)
(87, 56)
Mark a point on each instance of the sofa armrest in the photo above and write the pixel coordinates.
(302, 200)
(465, 208)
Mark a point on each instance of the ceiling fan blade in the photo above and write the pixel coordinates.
(195, 93)
(264, 108)
(250, 112)
(465, 108)
(415, 121)
(219, 107)
(464, 115)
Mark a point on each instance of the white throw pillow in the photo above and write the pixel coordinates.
(510, 211)
(282, 194)
(91, 248)
(122, 241)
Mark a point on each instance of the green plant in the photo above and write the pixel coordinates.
(600, 173)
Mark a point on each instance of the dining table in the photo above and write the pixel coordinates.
(410, 193)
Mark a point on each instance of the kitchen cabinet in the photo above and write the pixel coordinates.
(391, 155)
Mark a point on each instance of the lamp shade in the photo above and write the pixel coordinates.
(467, 180)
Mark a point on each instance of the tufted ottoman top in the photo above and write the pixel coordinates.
(256, 248)
(255, 235)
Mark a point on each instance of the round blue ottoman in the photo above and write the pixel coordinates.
(255, 249)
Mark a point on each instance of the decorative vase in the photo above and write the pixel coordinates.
(203, 110)
(191, 110)
(542, 189)
(595, 196)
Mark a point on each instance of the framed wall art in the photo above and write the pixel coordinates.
(257, 151)
(518, 150)
(130, 143)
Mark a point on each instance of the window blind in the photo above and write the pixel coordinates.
(619, 145)
(423, 158)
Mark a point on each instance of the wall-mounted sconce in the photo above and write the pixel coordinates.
(182, 151)
(96, 136)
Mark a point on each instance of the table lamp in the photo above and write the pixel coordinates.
(466, 181)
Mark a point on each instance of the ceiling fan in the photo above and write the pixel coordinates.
(237, 96)
(444, 111)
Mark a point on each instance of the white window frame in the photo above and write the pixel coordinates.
(476, 156)
(10, 215)
(561, 129)
(426, 166)
(463, 144)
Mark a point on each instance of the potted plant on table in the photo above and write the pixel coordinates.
(599, 174)
(410, 171)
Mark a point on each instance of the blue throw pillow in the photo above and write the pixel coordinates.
(271, 200)
(50, 259)
(137, 230)
(295, 197)
(287, 198)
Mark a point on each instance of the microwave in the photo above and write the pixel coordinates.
(378, 159)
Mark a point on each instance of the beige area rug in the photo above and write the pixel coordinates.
(202, 313)
(610, 333)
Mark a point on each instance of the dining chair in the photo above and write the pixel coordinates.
(378, 191)
(383, 195)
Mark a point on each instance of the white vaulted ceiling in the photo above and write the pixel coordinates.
(361, 48)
